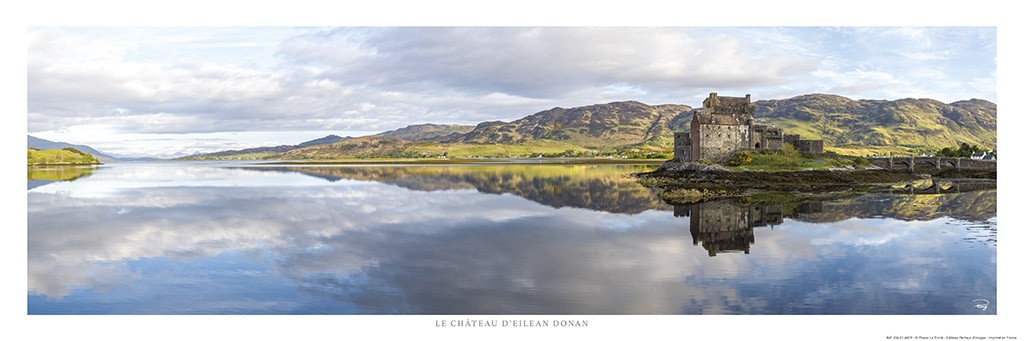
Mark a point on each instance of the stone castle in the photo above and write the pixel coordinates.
(725, 126)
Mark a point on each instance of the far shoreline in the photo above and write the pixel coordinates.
(457, 161)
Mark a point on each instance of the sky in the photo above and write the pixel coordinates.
(176, 91)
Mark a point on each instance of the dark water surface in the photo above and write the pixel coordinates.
(229, 238)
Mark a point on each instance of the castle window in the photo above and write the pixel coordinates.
(757, 145)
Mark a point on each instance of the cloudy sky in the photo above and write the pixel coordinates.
(177, 91)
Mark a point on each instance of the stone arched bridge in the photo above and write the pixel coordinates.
(932, 163)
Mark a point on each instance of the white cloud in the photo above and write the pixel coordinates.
(535, 62)
(210, 80)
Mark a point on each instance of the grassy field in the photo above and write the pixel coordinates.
(789, 159)
(874, 150)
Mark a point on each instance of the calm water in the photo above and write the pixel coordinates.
(208, 238)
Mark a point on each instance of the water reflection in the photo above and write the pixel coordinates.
(728, 225)
(596, 187)
(139, 239)
(723, 226)
(43, 175)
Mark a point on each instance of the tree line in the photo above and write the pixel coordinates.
(965, 150)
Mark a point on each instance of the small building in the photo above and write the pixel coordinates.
(978, 155)
(725, 125)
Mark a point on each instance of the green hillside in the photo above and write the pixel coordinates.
(905, 125)
(597, 126)
(379, 147)
(427, 132)
(637, 130)
(66, 156)
(260, 153)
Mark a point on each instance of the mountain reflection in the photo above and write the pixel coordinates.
(199, 239)
(595, 187)
(728, 225)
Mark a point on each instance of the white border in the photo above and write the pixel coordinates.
(518, 13)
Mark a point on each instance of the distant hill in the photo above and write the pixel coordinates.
(323, 140)
(262, 152)
(913, 124)
(240, 154)
(42, 144)
(65, 156)
(636, 129)
(596, 126)
(427, 132)
(383, 147)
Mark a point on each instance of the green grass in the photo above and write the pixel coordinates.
(788, 159)
(775, 162)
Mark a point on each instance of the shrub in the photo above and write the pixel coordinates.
(789, 151)
(840, 161)
(739, 159)
(73, 150)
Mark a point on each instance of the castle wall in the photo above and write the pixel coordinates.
(741, 112)
(810, 146)
(695, 140)
(756, 139)
(740, 107)
(773, 139)
(682, 147)
(719, 142)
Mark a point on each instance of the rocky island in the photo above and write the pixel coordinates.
(725, 153)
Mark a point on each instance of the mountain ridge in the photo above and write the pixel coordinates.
(427, 132)
(44, 144)
(635, 129)
(592, 126)
(915, 124)
(262, 152)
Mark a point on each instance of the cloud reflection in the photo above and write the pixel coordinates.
(367, 247)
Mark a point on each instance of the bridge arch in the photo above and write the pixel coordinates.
(951, 163)
(902, 164)
(929, 162)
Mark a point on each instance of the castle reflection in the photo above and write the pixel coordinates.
(728, 226)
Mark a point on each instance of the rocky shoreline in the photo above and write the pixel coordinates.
(692, 182)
